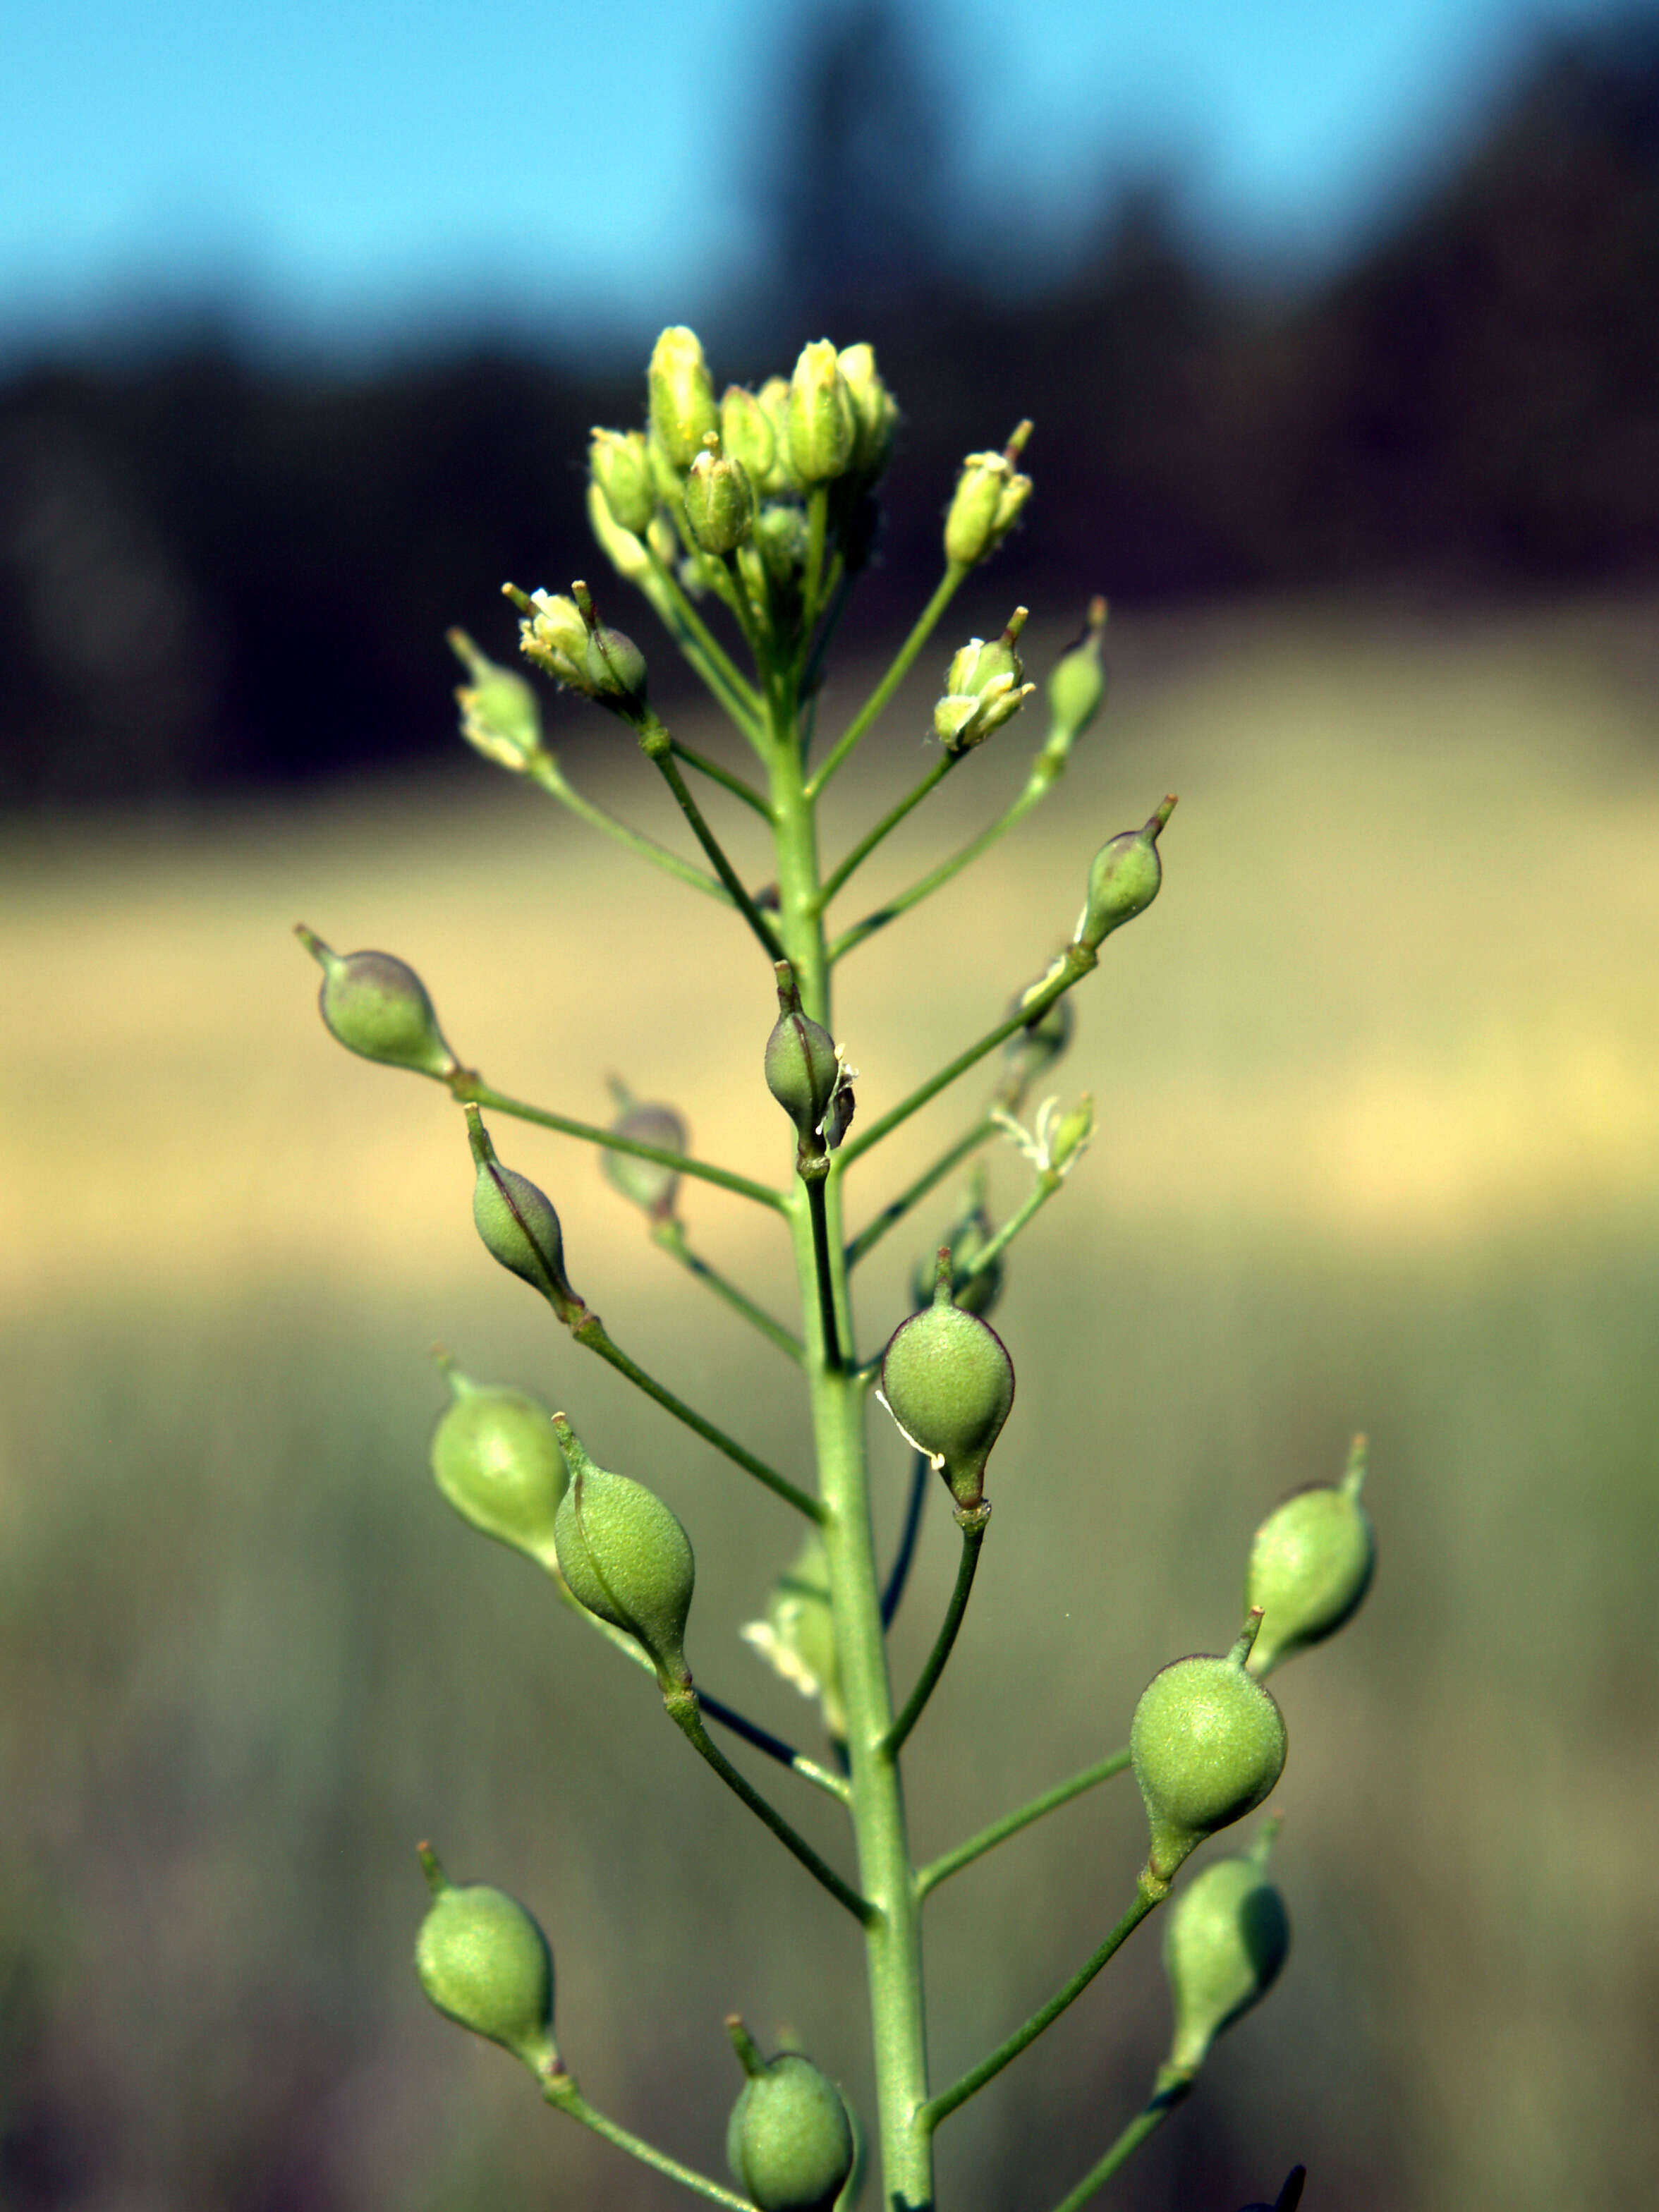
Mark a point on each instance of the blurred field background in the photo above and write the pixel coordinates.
(1378, 1088)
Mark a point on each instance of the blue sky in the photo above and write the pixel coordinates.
(347, 172)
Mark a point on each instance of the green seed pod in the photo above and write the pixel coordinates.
(822, 423)
(377, 1006)
(645, 1183)
(1208, 1744)
(484, 1961)
(720, 505)
(518, 1224)
(1311, 1563)
(989, 497)
(801, 1066)
(1225, 1941)
(681, 393)
(613, 665)
(1123, 879)
(619, 464)
(626, 1557)
(1077, 683)
(948, 1382)
(789, 2141)
(497, 1460)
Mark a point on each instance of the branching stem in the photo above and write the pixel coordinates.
(670, 1236)
(949, 584)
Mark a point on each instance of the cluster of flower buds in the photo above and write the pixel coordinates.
(982, 689)
(789, 2141)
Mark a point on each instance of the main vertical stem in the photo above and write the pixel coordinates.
(886, 1875)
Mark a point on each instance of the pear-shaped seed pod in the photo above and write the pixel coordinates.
(497, 1460)
(1225, 1941)
(1208, 1744)
(948, 1382)
(484, 1961)
(801, 1067)
(516, 1223)
(789, 2141)
(377, 1006)
(626, 1557)
(1311, 1563)
(1124, 878)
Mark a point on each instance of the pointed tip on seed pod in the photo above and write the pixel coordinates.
(948, 1382)
(626, 1557)
(377, 1006)
(484, 1963)
(1311, 1563)
(1077, 684)
(1124, 878)
(497, 1461)
(518, 1225)
(1208, 1744)
(1225, 1942)
(789, 2141)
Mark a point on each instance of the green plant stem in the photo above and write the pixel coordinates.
(890, 821)
(562, 2092)
(682, 1708)
(940, 1869)
(468, 1089)
(899, 1573)
(817, 526)
(838, 1398)
(1048, 1183)
(658, 746)
(670, 1236)
(726, 777)
(544, 772)
(1070, 968)
(1171, 2090)
(1037, 786)
(972, 1521)
(890, 1215)
(949, 585)
(822, 1271)
(591, 1331)
(940, 2108)
(744, 703)
(833, 1785)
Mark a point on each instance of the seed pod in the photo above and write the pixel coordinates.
(377, 1006)
(1208, 1744)
(948, 1382)
(801, 1066)
(1225, 1941)
(518, 1224)
(682, 396)
(822, 422)
(484, 1961)
(626, 1557)
(1311, 1563)
(497, 1460)
(613, 665)
(1124, 878)
(789, 2141)
(1077, 683)
(645, 1183)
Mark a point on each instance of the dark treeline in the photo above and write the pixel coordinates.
(213, 572)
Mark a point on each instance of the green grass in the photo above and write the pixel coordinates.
(1378, 1085)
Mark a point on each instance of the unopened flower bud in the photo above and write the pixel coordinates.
(518, 1224)
(773, 400)
(625, 552)
(682, 396)
(1226, 1937)
(1208, 1744)
(780, 538)
(720, 506)
(626, 1557)
(618, 463)
(875, 408)
(1311, 1563)
(746, 434)
(1077, 683)
(797, 1637)
(989, 497)
(802, 1069)
(554, 635)
(501, 716)
(645, 1183)
(948, 1382)
(1123, 879)
(377, 1006)
(495, 1459)
(484, 1961)
(789, 2141)
(822, 421)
